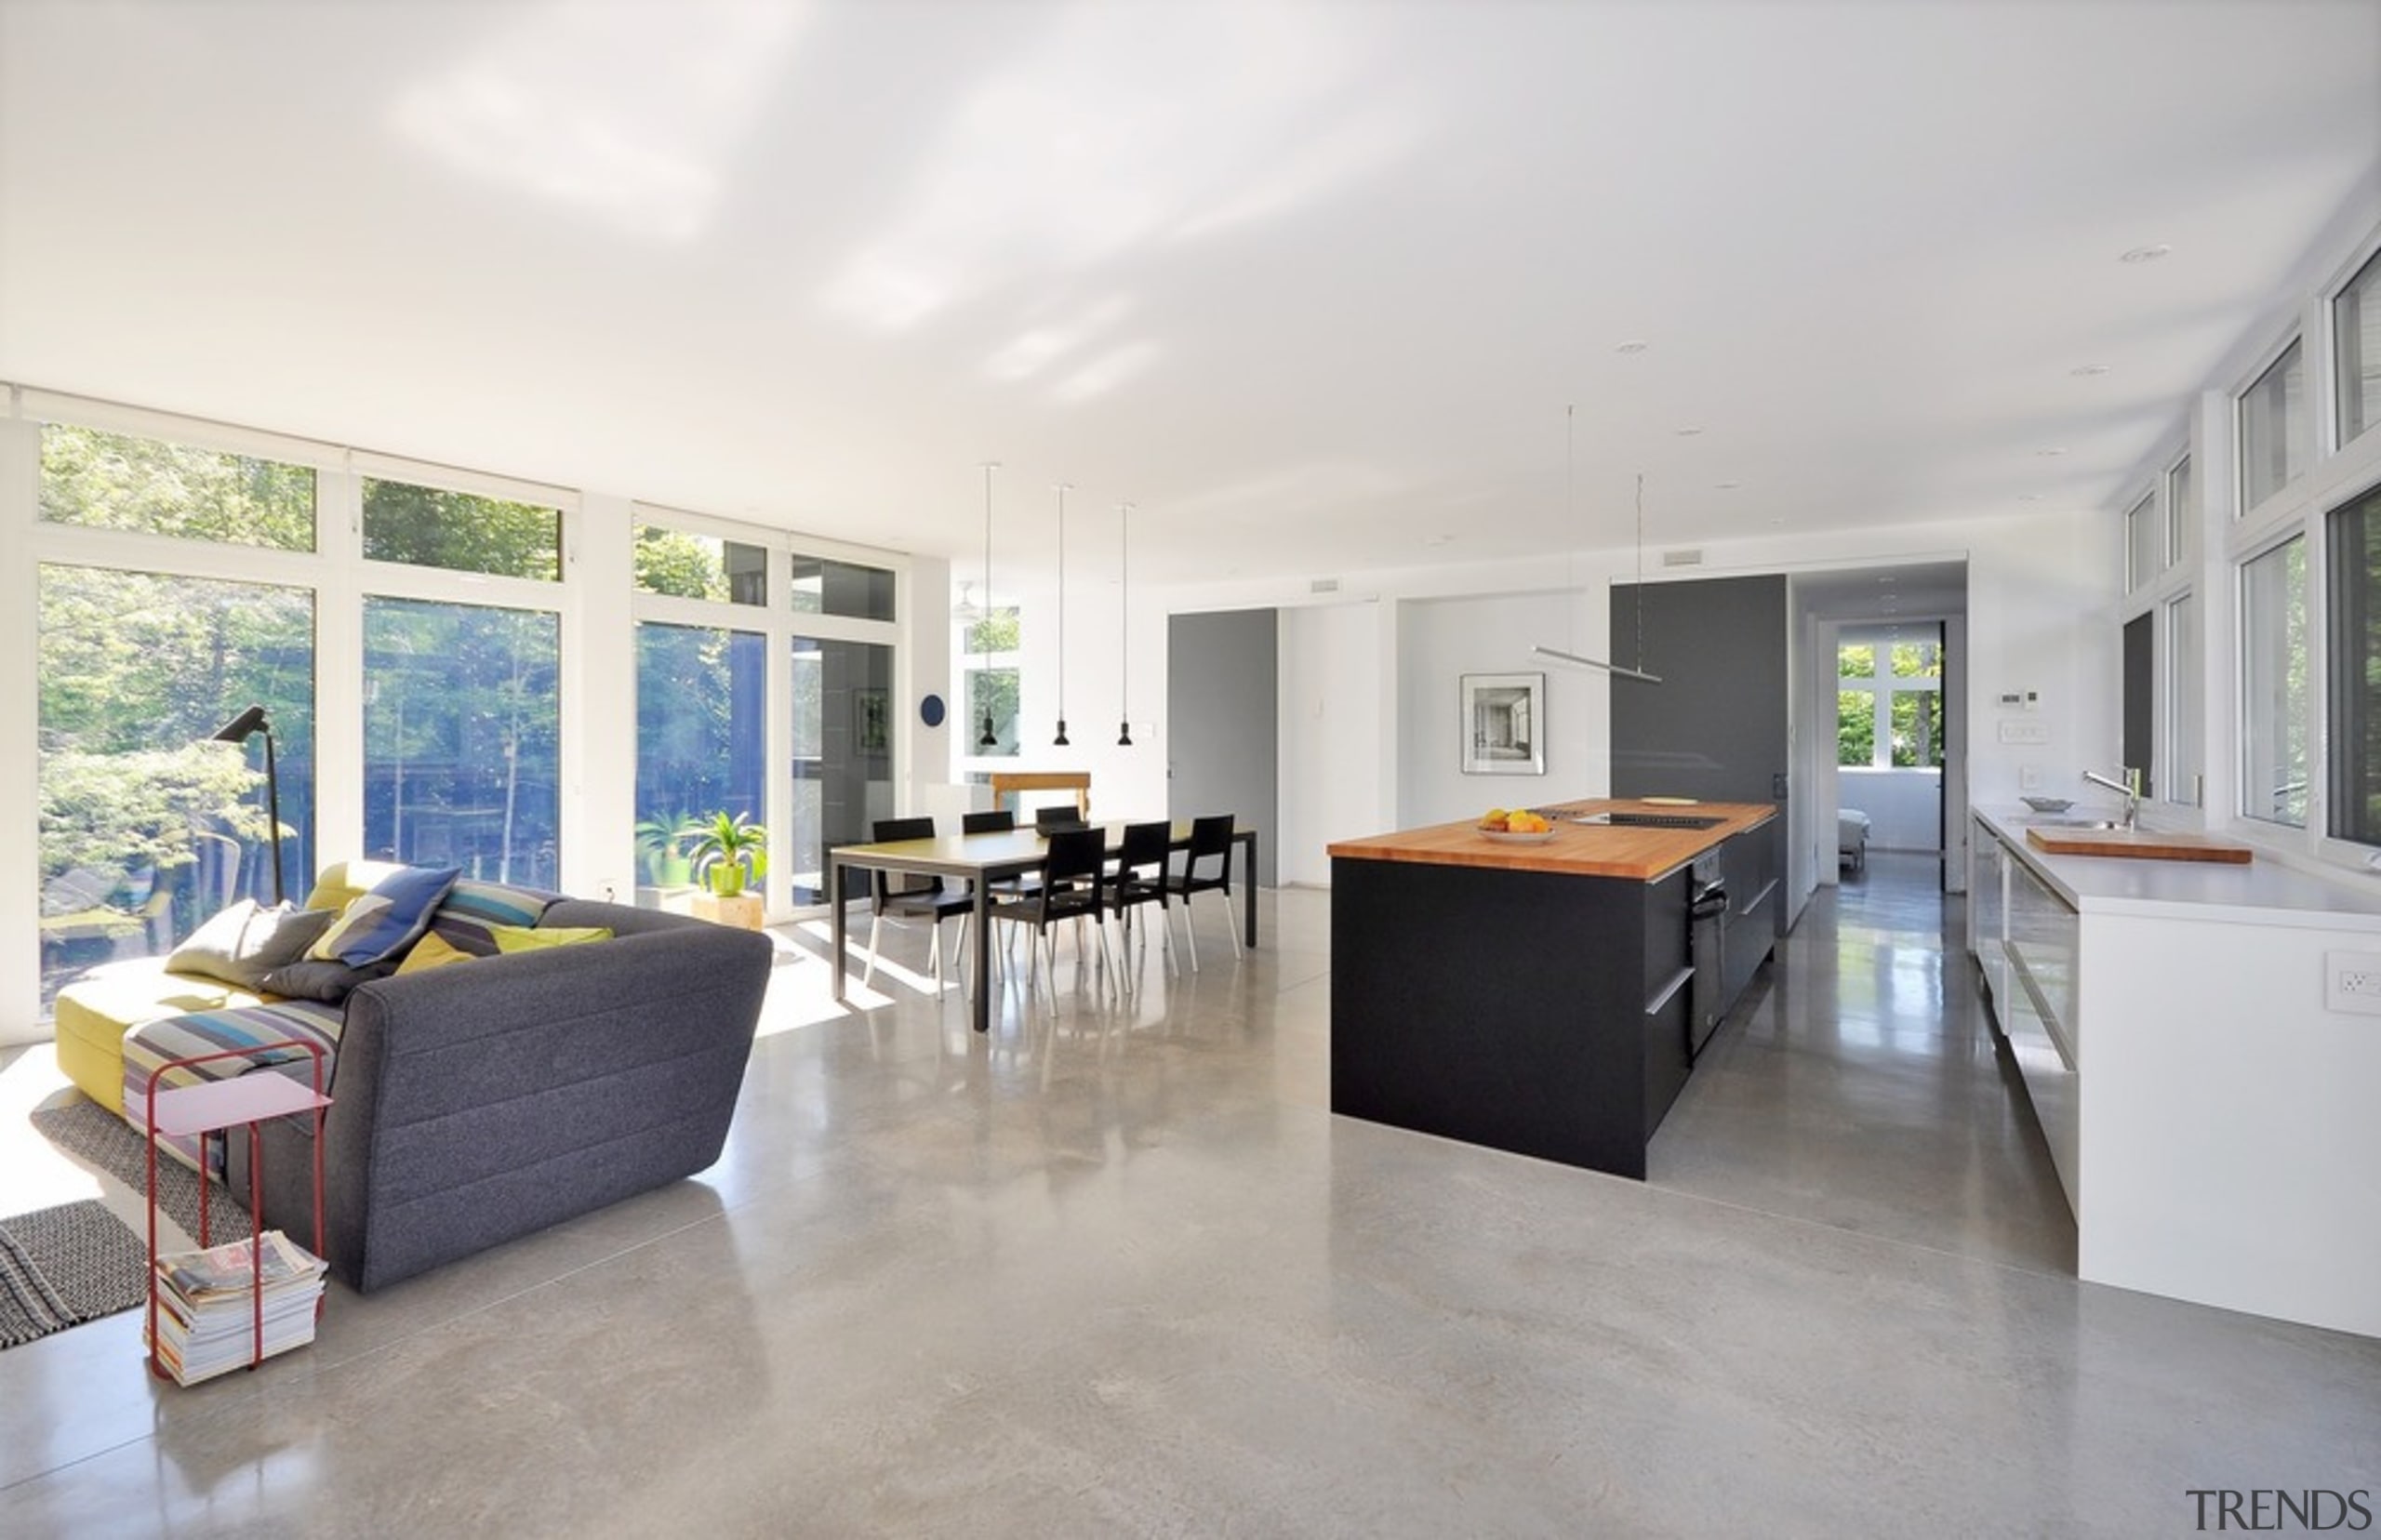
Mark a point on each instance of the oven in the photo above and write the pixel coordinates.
(1707, 946)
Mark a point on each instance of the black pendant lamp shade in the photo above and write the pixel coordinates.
(1124, 629)
(990, 739)
(241, 728)
(1060, 741)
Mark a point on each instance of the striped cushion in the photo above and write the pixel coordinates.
(154, 1043)
(467, 916)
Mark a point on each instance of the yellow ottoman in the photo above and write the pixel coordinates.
(95, 1012)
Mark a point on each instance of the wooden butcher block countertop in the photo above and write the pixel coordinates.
(1577, 849)
(2140, 843)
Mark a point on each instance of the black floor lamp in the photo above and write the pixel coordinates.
(241, 728)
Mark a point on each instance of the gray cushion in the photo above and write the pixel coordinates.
(244, 943)
(328, 980)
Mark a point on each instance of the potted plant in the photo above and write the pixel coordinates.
(729, 851)
(661, 844)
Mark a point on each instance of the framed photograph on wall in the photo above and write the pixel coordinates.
(870, 709)
(1504, 725)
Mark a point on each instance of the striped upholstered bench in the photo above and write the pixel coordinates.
(155, 1043)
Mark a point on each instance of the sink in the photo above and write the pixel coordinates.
(2073, 823)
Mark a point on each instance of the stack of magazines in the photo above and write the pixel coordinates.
(206, 1321)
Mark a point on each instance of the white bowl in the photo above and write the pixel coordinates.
(2048, 804)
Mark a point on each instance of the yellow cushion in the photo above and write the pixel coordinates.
(517, 938)
(342, 883)
(431, 951)
(94, 1013)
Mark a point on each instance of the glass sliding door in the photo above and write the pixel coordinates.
(702, 742)
(843, 754)
(462, 718)
(146, 827)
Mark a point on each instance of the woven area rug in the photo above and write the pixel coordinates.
(106, 1142)
(60, 1267)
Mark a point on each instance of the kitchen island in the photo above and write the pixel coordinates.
(1539, 996)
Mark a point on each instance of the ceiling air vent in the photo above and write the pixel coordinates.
(1685, 556)
(1322, 585)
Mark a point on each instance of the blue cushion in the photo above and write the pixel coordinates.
(380, 926)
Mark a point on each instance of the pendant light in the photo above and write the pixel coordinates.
(1124, 631)
(990, 739)
(1060, 741)
(1570, 503)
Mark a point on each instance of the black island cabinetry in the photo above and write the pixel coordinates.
(1529, 998)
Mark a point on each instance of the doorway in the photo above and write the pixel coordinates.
(1224, 735)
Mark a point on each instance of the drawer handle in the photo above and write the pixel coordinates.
(1678, 981)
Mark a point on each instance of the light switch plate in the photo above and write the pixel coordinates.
(2030, 778)
(2025, 732)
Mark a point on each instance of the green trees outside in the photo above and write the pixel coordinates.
(137, 671)
(461, 531)
(994, 688)
(108, 481)
(701, 709)
(1913, 714)
(462, 727)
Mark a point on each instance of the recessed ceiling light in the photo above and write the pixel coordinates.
(1688, 433)
(1633, 345)
(2029, 497)
(2085, 371)
(1725, 486)
(2053, 452)
(2146, 253)
(1436, 540)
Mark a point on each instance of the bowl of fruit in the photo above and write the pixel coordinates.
(1516, 826)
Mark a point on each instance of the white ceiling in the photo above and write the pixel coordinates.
(1311, 284)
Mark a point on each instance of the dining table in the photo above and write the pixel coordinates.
(982, 860)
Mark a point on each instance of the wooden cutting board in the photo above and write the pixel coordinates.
(2139, 843)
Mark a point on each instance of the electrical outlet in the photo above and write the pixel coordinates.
(2030, 778)
(2352, 982)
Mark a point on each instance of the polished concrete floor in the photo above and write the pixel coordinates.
(1118, 1271)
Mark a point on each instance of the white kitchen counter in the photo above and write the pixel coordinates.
(2210, 1110)
(2264, 892)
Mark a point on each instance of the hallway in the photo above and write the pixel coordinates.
(1859, 1087)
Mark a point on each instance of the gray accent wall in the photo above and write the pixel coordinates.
(1223, 727)
(1715, 729)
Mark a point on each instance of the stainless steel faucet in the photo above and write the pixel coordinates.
(2130, 788)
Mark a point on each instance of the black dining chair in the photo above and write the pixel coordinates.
(1141, 879)
(1061, 816)
(1074, 886)
(906, 897)
(1211, 840)
(994, 820)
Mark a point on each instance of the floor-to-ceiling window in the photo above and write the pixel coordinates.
(701, 743)
(843, 752)
(146, 824)
(462, 728)
(420, 640)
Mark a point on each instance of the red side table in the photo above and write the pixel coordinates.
(219, 1107)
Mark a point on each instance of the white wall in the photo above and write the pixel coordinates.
(1336, 783)
(1441, 640)
(1126, 783)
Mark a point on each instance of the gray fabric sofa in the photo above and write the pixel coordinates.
(474, 1105)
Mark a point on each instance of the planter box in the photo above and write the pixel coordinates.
(743, 911)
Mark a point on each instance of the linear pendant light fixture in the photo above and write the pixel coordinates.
(1124, 631)
(1570, 502)
(984, 634)
(1060, 741)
